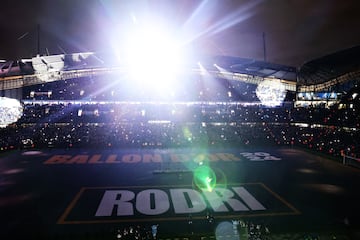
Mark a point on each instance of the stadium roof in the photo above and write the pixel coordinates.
(232, 64)
(315, 75)
(258, 68)
(330, 67)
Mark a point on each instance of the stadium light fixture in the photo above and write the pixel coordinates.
(271, 93)
(10, 111)
(153, 56)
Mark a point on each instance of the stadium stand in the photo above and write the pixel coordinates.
(73, 106)
(94, 109)
(133, 125)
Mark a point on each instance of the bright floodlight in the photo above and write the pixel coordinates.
(10, 111)
(153, 56)
(271, 93)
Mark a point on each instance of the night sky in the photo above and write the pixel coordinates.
(296, 31)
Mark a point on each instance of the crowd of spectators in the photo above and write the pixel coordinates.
(213, 112)
(237, 229)
(164, 125)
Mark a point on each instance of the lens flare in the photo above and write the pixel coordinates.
(200, 159)
(221, 179)
(226, 230)
(187, 134)
(204, 178)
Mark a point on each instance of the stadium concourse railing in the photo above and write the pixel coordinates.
(12, 82)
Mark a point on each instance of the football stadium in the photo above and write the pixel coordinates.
(155, 142)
